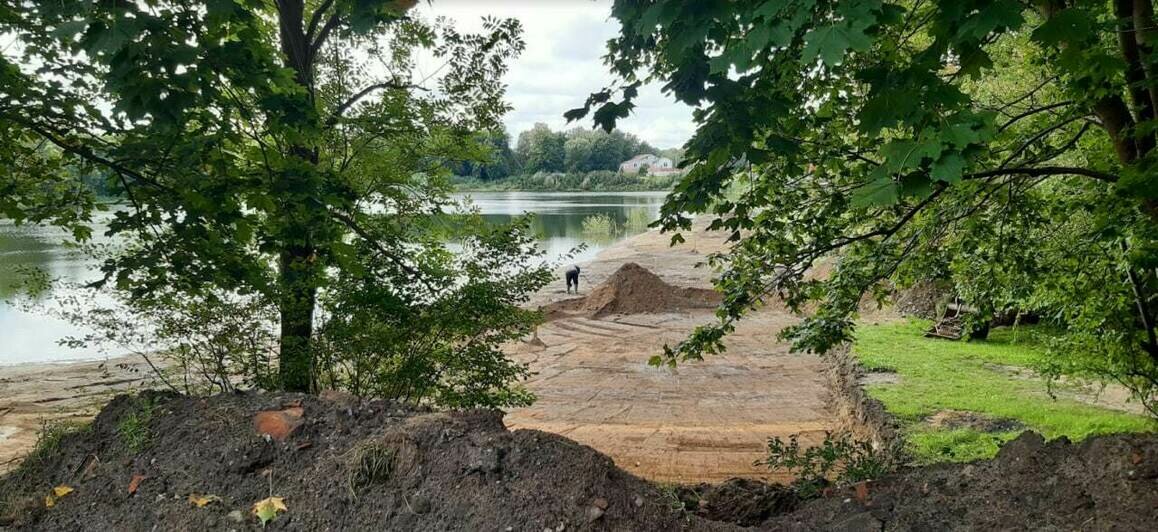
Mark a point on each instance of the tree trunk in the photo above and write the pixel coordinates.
(298, 271)
(296, 306)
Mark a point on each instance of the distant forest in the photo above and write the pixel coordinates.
(539, 149)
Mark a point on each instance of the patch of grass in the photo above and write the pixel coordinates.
(940, 375)
(52, 432)
(133, 429)
(671, 495)
(368, 463)
(930, 446)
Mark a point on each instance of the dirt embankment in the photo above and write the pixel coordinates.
(857, 413)
(343, 465)
(340, 464)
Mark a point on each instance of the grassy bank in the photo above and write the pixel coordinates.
(571, 182)
(979, 376)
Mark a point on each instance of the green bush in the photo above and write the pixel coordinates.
(839, 455)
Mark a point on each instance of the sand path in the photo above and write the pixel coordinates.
(704, 422)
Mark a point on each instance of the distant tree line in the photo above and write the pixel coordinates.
(540, 149)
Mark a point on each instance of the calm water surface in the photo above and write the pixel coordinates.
(34, 336)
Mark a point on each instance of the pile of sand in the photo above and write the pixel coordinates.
(632, 289)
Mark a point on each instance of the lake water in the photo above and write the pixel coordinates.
(34, 336)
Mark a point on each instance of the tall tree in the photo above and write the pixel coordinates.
(251, 137)
(886, 133)
(541, 150)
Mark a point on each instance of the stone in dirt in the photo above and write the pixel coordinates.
(633, 289)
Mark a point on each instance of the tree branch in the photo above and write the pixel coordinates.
(316, 18)
(1040, 135)
(353, 99)
(320, 39)
(1044, 171)
(1032, 112)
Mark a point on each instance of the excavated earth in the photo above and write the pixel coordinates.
(341, 464)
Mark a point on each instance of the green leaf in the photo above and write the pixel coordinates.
(908, 154)
(831, 42)
(948, 168)
(882, 191)
(960, 135)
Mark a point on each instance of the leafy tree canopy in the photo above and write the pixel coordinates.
(272, 150)
(1007, 146)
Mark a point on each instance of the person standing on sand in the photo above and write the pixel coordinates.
(572, 275)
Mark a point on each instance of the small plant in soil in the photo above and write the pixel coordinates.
(369, 463)
(133, 429)
(840, 457)
(677, 498)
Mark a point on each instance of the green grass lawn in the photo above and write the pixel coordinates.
(940, 375)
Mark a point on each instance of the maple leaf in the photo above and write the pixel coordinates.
(202, 501)
(268, 508)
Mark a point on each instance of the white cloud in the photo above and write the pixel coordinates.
(563, 63)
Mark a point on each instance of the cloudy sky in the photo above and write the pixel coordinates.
(562, 65)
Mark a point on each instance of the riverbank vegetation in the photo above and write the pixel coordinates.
(578, 159)
(959, 401)
(597, 181)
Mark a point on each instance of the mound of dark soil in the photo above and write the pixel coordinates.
(958, 419)
(921, 299)
(343, 466)
(633, 289)
(1106, 483)
(741, 501)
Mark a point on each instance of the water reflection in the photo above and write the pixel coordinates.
(33, 336)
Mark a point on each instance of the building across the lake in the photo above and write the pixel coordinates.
(655, 165)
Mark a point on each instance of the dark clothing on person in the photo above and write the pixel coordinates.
(573, 278)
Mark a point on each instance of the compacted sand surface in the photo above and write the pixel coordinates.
(703, 422)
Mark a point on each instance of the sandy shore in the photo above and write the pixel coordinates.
(38, 393)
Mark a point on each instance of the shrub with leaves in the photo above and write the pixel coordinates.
(840, 457)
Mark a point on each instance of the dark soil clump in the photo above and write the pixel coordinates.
(633, 289)
(957, 419)
(739, 500)
(368, 466)
(1104, 483)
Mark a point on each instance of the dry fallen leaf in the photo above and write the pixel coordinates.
(49, 501)
(135, 483)
(202, 501)
(61, 491)
(268, 508)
